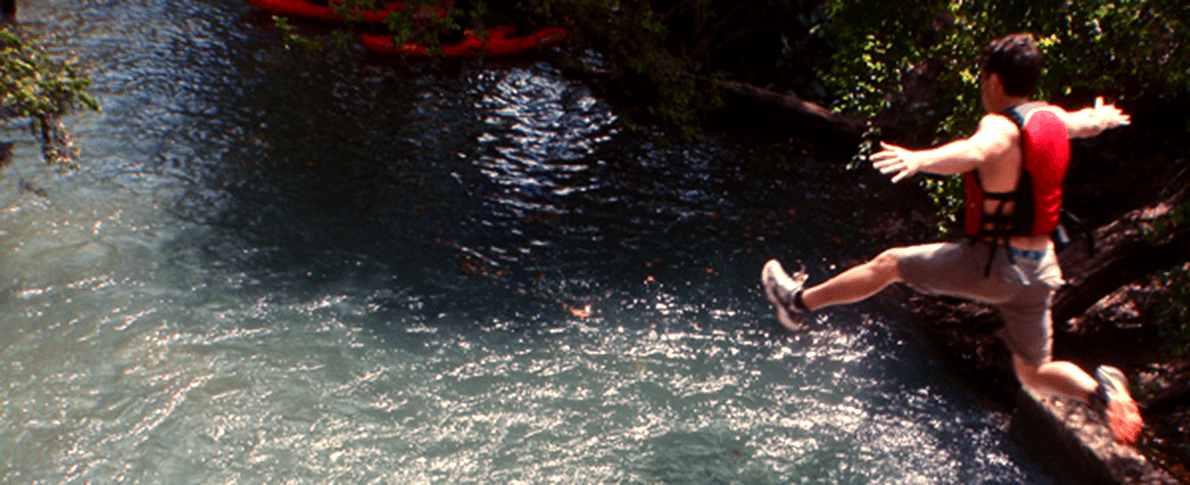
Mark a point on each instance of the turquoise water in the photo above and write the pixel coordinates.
(279, 267)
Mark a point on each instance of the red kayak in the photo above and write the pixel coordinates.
(304, 8)
(497, 43)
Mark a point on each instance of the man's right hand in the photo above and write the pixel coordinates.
(895, 160)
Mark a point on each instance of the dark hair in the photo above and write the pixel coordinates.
(1016, 59)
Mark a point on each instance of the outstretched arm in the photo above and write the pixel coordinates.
(1088, 122)
(994, 137)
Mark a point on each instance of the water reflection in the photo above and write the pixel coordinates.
(540, 133)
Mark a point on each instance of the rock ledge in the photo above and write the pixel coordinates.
(1071, 443)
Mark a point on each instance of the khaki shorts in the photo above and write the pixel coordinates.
(1021, 293)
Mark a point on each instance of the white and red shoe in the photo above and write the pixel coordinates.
(780, 289)
(1119, 410)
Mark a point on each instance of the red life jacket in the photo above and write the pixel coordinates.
(1045, 154)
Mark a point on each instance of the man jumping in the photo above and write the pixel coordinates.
(1013, 168)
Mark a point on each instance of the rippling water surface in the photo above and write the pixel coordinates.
(277, 266)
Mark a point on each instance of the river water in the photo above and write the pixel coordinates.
(284, 267)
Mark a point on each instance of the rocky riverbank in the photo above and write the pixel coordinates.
(1066, 437)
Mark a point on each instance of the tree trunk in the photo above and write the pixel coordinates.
(783, 114)
(1123, 254)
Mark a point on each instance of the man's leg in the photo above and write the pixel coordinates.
(791, 300)
(1108, 390)
(1062, 378)
(855, 284)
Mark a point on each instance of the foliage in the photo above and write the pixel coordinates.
(424, 22)
(1173, 305)
(946, 194)
(906, 65)
(631, 40)
(910, 66)
(672, 55)
(915, 62)
(1175, 309)
(294, 39)
(36, 86)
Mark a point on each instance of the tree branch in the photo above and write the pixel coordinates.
(789, 109)
(1123, 255)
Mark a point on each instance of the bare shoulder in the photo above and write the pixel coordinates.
(997, 123)
(997, 130)
(1001, 164)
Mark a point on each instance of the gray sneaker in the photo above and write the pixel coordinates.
(780, 288)
(1119, 410)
